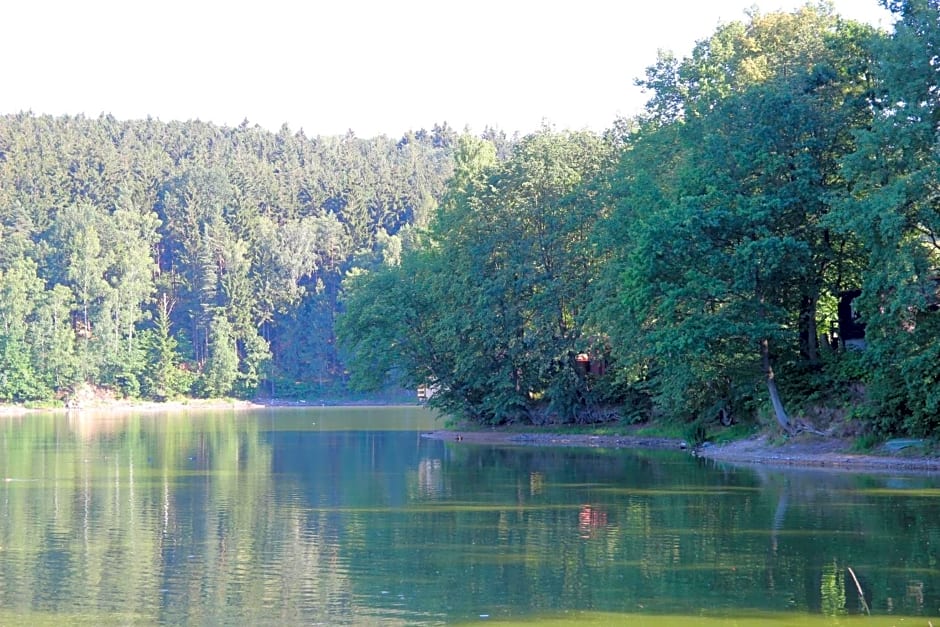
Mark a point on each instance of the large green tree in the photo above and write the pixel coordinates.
(491, 315)
(19, 292)
(895, 212)
(165, 376)
(727, 255)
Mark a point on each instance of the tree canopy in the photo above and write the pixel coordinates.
(692, 264)
(218, 252)
(696, 263)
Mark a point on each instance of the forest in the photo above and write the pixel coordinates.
(688, 264)
(161, 260)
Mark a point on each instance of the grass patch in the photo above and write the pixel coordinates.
(662, 430)
(45, 404)
(741, 431)
(866, 442)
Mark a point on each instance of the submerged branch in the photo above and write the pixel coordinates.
(861, 595)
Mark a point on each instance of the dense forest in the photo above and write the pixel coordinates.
(690, 263)
(165, 259)
(693, 263)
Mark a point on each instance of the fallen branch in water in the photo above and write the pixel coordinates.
(861, 595)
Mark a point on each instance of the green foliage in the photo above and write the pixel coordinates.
(903, 381)
(894, 212)
(837, 383)
(55, 339)
(695, 432)
(491, 312)
(705, 267)
(386, 327)
(19, 380)
(721, 249)
(253, 358)
(164, 377)
(867, 441)
(684, 266)
(260, 225)
(735, 432)
(221, 372)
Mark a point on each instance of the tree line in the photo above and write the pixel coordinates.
(690, 263)
(165, 259)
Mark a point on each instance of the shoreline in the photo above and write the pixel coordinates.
(113, 406)
(804, 451)
(811, 452)
(124, 406)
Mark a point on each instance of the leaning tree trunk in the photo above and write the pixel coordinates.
(779, 412)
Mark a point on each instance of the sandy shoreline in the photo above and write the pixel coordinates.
(808, 452)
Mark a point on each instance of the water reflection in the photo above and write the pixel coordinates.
(431, 478)
(591, 519)
(327, 517)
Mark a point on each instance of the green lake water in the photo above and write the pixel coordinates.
(341, 516)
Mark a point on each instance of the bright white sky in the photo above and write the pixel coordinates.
(373, 66)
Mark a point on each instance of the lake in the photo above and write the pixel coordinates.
(346, 516)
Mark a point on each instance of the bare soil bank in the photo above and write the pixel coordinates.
(805, 450)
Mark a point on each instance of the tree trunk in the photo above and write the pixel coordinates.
(779, 412)
(809, 334)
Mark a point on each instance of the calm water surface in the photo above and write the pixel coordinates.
(348, 516)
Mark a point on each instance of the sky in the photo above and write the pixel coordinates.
(373, 67)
